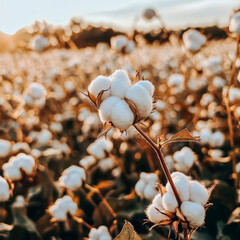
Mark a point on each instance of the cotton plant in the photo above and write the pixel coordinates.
(122, 44)
(146, 187)
(100, 233)
(22, 162)
(165, 209)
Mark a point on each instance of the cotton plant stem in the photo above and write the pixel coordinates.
(185, 233)
(162, 162)
(229, 115)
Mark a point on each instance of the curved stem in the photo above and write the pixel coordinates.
(162, 162)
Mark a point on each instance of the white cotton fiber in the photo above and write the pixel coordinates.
(198, 193)
(98, 84)
(194, 212)
(234, 25)
(158, 200)
(122, 116)
(139, 188)
(11, 172)
(193, 40)
(5, 148)
(217, 139)
(142, 100)
(37, 90)
(147, 85)
(106, 107)
(25, 162)
(169, 202)
(150, 191)
(154, 215)
(4, 190)
(182, 185)
(120, 83)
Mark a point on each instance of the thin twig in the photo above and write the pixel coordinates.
(162, 162)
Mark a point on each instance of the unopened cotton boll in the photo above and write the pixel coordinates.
(105, 109)
(98, 84)
(63, 206)
(5, 147)
(120, 83)
(234, 25)
(169, 202)
(182, 185)
(147, 85)
(4, 190)
(154, 215)
(217, 139)
(198, 193)
(141, 99)
(194, 212)
(122, 116)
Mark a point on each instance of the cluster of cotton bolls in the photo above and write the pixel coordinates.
(12, 169)
(5, 148)
(122, 44)
(100, 233)
(193, 40)
(62, 207)
(146, 187)
(194, 197)
(117, 90)
(72, 178)
(35, 95)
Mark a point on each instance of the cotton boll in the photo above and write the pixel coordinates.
(130, 47)
(154, 215)
(120, 83)
(142, 100)
(169, 202)
(39, 43)
(98, 84)
(5, 148)
(149, 13)
(158, 200)
(25, 162)
(193, 40)
(139, 188)
(206, 99)
(122, 116)
(105, 237)
(20, 146)
(106, 164)
(106, 107)
(87, 162)
(19, 202)
(234, 25)
(182, 185)
(215, 153)
(44, 137)
(56, 127)
(119, 42)
(151, 178)
(4, 190)
(218, 82)
(40, 102)
(234, 94)
(194, 213)
(103, 233)
(93, 234)
(217, 139)
(198, 193)
(11, 172)
(37, 90)
(147, 85)
(205, 135)
(150, 191)
(175, 80)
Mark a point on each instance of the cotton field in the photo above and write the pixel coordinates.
(126, 139)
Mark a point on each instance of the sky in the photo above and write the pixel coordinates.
(15, 14)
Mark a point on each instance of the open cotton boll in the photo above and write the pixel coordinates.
(206, 99)
(194, 212)
(44, 137)
(87, 162)
(122, 116)
(93, 234)
(19, 202)
(141, 99)
(193, 40)
(98, 84)
(20, 146)
(175, 80)
(24, 161)
(104, 234)
(106, 164)
(218, 82)
(205, 135)
(154, 215)
(5, 147)
(37, 90)
(4, 190)
(234, 25)
(120, 83)
(147, 85)
(198, 193)
(11, 172)
(182, 185)
(150, 191)
(39, 43)
(184, 159)
(217, 139)
(151, 178)
(169, 202)
(157, 200)
(119, 42)
(130, 47)
(106, 107)
(234, 94)
(63, 206)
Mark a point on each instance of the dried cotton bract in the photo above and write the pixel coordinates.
(194, 198)
(22, 161)
(63, 206)
(72, 178)
(99, 234)
(121, 103)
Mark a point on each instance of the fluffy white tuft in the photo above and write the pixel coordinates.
(154, 215)
(198, 193)
(150, 191)
(169, 202)
(147, 85)
(194, 212)
(193, 40)
(4, 190)
(5, 148)
(217, 139)
(234, 25)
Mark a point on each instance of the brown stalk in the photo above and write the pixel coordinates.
(162, 162)
(229, 115)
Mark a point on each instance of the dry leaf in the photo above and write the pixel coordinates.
(127, 233)
(235, 216)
